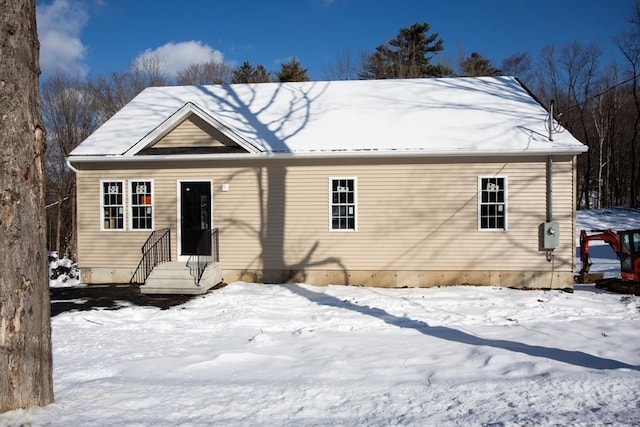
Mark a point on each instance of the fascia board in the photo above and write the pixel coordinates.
(328, 155)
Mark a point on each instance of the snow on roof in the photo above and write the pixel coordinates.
(429, 116)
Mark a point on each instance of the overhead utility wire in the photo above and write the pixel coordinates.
(599, 94)
(559, 128)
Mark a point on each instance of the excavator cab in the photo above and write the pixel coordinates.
(630, 255)
(626, 245)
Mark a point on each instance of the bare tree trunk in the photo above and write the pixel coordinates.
(602, 124)
(57, 245)
(25, 331)
(633, 190)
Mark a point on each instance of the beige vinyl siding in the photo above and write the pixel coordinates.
(425, 218)
(412, 216)
(111, 248)
(194, 132)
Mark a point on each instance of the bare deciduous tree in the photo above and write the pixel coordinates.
(629, 45)
(112, 92)
(606, 107)
(205, 73)
(518, 65)
(69, 119)
(147, 71)
(347, 66)
(569, 78)
(25, 329)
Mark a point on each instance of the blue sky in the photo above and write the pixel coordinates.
(94, 37)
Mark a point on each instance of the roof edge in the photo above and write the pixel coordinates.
(328, 155)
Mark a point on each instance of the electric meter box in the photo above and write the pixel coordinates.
(548, 236)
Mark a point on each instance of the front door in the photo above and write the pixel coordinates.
(195, 214)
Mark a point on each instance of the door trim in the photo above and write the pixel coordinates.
(180, 257)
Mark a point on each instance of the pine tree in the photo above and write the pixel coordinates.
(292, 71)
(407, 56)
(260, 75)
(477, 65)
(247, 73)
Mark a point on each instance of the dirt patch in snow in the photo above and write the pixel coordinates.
(109, 297)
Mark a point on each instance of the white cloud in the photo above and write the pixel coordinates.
(173, 57)
(59, 27)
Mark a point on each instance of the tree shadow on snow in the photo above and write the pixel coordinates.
(577, 358)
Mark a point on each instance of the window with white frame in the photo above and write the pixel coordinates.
(492, 203)
(343, 204)
(141, 205)
(112, 200)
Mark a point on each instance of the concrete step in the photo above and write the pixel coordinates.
(175, 278)
(172, 267)
(176, 274)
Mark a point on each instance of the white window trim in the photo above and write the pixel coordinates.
(355, 204)
(124, 205)
(506, 204)
(130, 205)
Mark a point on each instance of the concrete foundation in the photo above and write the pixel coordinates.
(386, 279)
(101, 275)
(410, 279)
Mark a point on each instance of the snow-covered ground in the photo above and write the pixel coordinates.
(251, 354)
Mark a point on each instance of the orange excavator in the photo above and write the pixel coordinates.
(626, 245)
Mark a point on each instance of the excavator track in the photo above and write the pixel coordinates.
(619, 286)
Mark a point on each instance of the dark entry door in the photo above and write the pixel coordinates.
(195, 212)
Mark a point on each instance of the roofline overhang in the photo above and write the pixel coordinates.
(324, 155)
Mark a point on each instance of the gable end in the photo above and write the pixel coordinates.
(190, 130)
(193, 136)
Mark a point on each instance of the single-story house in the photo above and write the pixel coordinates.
(394, 183)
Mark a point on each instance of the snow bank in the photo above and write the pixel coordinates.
(63, 272)
(620, 218)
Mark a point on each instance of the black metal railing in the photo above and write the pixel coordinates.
(156, 250)
(206, 252)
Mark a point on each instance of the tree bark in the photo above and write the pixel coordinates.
(25, 331)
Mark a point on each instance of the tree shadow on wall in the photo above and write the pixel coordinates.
(270, 133)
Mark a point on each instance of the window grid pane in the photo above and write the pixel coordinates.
(343, 209)
(493, 204)
(113, 209)
(141, 205)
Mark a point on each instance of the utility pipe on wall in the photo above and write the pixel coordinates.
(549, 192)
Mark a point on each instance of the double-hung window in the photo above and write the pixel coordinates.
(492, 203)
(141, 194)
(342, 204)
(112, 198)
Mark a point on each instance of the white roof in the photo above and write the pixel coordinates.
(447, 116)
